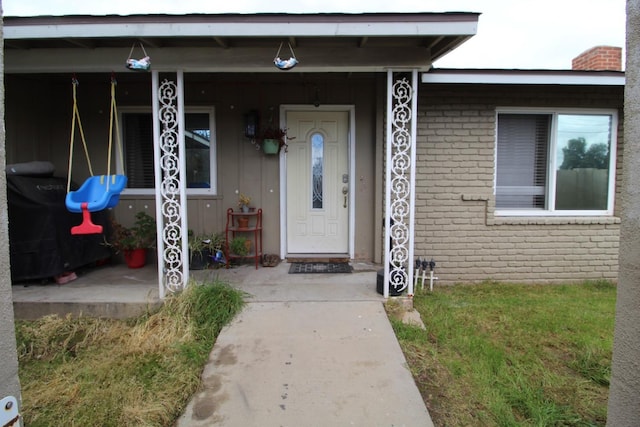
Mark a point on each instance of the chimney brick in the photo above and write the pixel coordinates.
(599, 58)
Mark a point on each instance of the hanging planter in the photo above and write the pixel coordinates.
(274, 139)
(142, 64)
(285, 64)
(270, 146)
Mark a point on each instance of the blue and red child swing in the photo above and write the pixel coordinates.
(97, 192)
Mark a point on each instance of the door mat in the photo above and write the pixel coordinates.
(319, 267)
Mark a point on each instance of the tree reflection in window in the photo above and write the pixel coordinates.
(317, 160)
(197, 141)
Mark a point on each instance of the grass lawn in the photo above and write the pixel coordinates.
(141, 372)
(513, 355)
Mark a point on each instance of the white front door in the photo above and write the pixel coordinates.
(318, 182)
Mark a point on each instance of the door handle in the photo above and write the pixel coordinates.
(345, 191)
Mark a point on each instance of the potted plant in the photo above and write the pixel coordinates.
(273, 140)
(199, 251)
(243, 202)
(240, 246)
(134, 241)
(202, 248)
(216, 245)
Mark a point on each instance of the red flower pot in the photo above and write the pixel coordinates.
(135, 258)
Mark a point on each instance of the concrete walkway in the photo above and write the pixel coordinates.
(307, 364)
(308, 350)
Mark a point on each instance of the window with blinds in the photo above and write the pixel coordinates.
(199, 150)
(555, 162)
(522, 153)
(138, 149)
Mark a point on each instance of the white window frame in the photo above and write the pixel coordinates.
(213, 152)
(551, 164)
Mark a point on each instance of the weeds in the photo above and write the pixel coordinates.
(83, 371)
(507, 355)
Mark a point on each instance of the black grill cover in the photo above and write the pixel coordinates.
(40, 239)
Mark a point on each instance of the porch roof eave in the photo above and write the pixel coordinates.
(231, 43)
(236, 25)
(523, 77)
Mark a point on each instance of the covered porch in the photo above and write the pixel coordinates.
(362, 67)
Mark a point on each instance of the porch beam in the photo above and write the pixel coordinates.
(80, 43)
(434, 42)
(222, 42)
(16, 44)
(444, 47)
(150, 43)
(214, 59)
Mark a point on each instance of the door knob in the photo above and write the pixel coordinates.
(345, 191)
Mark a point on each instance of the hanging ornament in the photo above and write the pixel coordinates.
(142, 64)
(285, 64)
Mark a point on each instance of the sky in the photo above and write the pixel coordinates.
(524, 34)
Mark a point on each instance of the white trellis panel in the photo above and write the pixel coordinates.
(402, 92)
(169, 157)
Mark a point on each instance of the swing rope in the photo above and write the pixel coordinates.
(113, 118)
(288, 63)
(132, 47)
(95, 193)
(113, 121)
(293, 55)
(76, 116)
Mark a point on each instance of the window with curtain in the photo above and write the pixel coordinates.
(555, 162)
(199, 149)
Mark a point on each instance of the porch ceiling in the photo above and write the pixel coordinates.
(232, 42)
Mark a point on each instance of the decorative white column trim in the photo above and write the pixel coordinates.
(402, 91)
(412, 197)
(184, 227)
(168, 136)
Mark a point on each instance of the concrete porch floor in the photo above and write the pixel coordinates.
(309, 349)
(119, 292)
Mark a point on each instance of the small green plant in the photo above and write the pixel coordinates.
(204, 242)
(197, 242)
(142, 235)
(238, 246)
(216, 241)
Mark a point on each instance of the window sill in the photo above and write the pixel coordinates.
(555, 220)
(151, 194)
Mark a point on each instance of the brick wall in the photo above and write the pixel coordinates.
(599, 58)
(455, 223)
